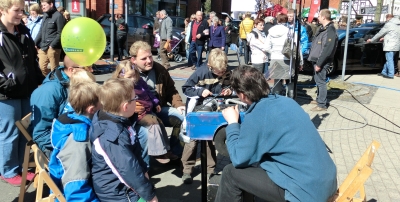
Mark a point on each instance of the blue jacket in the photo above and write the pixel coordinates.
(118, 170)
(202, 79)
(304, 40)
(288, 148)
(48, 102)
(70, 160)
(34, 26)
(217, 37)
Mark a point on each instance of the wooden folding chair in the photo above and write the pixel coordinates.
(43, 177)
(354, 182)
(23, 125)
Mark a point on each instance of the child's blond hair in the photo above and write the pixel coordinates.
(125, 68)
(81, 77)
(114, 92)
(217, 59)
(83, 95)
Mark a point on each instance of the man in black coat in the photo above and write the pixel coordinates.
(48, 40)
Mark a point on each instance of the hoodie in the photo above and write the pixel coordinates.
(70, 160)
(391, 33)
(48, 103)
(275, 41)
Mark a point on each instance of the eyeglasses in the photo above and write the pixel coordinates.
(134, 99)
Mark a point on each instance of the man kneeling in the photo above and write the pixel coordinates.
(276, 152)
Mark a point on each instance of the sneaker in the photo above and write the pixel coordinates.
(14, 181)
(314, 102)
(318, 109)
(186, 178)
(30, 176)
(379, 74)
(388, 77)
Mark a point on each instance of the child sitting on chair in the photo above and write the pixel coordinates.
(70, 159)
(204, 82)
(157, 143)
(118, 170)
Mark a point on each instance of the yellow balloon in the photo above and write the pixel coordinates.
(83, 40)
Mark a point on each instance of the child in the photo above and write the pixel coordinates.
(69, 161)
(118, 170)
(157, 143)
(205, 81)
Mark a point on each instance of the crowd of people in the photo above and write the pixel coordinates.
(99, 138)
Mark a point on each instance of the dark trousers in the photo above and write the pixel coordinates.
(253, 180)
(193, 49)
(320, 80)
(121, 39)
(246, 51)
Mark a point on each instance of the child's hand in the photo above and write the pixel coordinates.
(139, 108)
(226, 92)
(158, 108)
(206, 93)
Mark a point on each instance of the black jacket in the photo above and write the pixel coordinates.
(228, 28)
(50, 32)
(19, 70)
(324, 45)
(203, 26)
(267, 26)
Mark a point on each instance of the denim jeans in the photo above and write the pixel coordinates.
(262, 67)
(320, 80)
(246, 52)
(226, 49)
(171, 117)
(388, 68)
(12, 145)
(121, 39)
(141, 132)
(193, 49)
(240, 46)
(253, 180)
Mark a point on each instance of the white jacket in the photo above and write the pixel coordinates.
(275, 41)
(258, 47)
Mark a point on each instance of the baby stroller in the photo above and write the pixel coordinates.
(174, 54)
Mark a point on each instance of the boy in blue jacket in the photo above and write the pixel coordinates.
(69, 162)
(118, 170)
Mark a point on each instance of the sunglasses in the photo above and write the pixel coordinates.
(134, 99)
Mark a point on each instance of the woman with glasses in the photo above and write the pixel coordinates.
(257, 41)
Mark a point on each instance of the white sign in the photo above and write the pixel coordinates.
(371, 10)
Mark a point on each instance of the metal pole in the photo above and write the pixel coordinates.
(126, 22)
(112, 25)
(204, 180)
(347, 39)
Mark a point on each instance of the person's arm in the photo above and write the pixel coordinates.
(153, 98)
(190, 89)
(45, 107)
(329, 46)
(75, 157)
(268, 44)
(385, 29)
(60, 25)
(168, 25)
(7, 82)
(126, 165)
(223, 37)
(172, 94)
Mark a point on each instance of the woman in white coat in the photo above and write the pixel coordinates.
(258, 45)
(280, 65)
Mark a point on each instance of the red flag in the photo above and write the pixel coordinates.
(313, 9)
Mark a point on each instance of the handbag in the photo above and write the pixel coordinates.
(287, 47)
